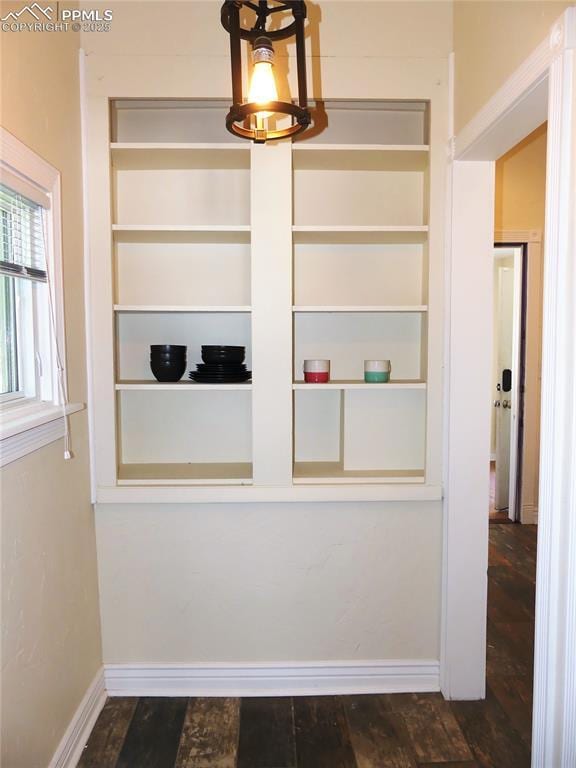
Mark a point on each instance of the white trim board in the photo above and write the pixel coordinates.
(48, 426)
(273, 679)
(69, 750)
(497, 127)
(511, 125)
(16, 155)
(529, 514)
(87, 266)
(554, 729)
(518, 236)
(469, 382)
(250, 494)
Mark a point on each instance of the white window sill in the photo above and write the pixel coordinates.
(27, 427)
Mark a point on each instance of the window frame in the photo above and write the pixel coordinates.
(20, 414)
(34, 353)
(16, 394)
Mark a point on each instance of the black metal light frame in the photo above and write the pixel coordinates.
(239, 112)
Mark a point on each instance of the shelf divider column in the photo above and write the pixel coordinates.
(271, 219)
(100, 318)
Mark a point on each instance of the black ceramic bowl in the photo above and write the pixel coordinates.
(173, 349)
(167, 356)
(221, 367)
(223, 354)
(168, 370)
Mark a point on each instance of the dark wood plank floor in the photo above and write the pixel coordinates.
(392, 730)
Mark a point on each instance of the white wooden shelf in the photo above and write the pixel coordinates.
(320, 234)
(370, 157)
(175, 386)
(391, 385)
(199, 146)
(199, 233)
(319, 472)
(244, 492)
(162, 155)
(360, 308)
(185, 308)
(185, 474)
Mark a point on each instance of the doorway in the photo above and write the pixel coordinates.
(544, 86)
(508, 370)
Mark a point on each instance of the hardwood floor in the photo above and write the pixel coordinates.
(392, 730)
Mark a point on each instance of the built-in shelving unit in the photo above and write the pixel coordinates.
(181, 235)
(325, 245)
(360, 236)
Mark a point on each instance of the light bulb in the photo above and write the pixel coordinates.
(263, 85)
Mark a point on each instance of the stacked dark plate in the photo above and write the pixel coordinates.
(168, 361)
(222, 365)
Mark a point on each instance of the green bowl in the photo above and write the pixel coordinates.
(376, 377)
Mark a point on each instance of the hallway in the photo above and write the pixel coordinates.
(399, 730)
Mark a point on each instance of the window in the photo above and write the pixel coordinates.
(26, 352)
(33, 404)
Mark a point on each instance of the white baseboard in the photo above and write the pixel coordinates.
(70, 748)
(529, 514)
(273, 679)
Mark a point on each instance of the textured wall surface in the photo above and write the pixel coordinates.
(50, 619)
(270, 582)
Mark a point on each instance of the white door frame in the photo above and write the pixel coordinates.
(544, 87)
(510, 400)
(514, 415)
(532, 239)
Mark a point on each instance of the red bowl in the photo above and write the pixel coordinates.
(316, 377)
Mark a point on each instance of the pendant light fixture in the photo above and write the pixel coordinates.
(253, 119)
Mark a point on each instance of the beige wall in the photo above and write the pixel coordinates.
(521, 184)
(401, 29)
(50, 620)
(520, 204)
(491, 39)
